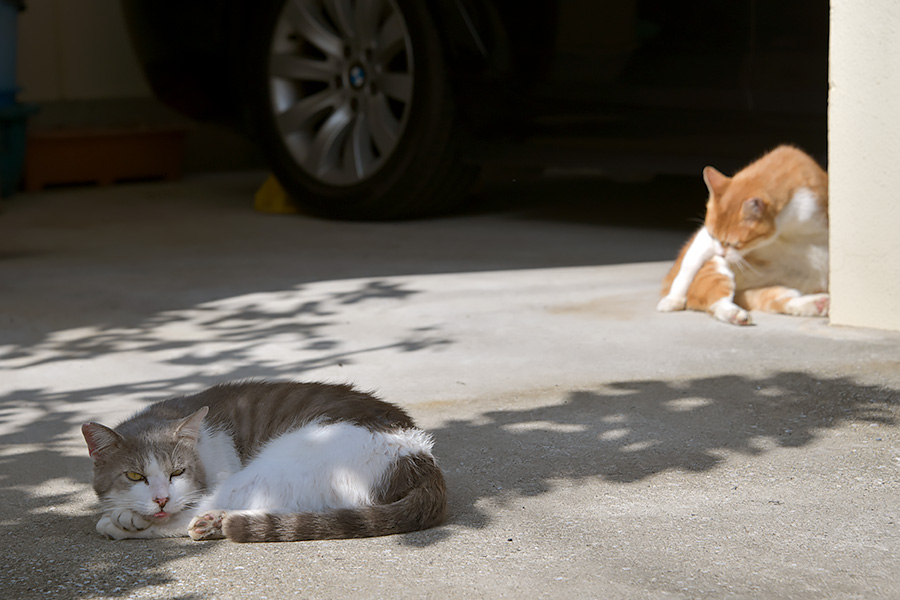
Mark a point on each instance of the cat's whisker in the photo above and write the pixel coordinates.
(742, 265)
(191, 499)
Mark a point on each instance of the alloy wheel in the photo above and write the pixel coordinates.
(341, 85)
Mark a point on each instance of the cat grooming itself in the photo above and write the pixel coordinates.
(266, 462)
(763, 244)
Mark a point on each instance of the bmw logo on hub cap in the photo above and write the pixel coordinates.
(357, 76)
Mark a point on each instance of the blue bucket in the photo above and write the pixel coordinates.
(9, 14)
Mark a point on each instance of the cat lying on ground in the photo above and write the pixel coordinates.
(261, 462)
(763, 244)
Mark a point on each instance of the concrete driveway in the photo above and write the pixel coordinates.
(594, 448)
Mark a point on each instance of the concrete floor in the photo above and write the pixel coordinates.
(593, 447)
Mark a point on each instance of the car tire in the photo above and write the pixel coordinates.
(357, 121)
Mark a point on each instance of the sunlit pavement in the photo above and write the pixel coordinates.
(593, 447)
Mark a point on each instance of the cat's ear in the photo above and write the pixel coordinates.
(189, 427)
(715, 181)
(753, 208)
(99, 439)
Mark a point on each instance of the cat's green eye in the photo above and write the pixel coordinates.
(134, 476)
(177, 472)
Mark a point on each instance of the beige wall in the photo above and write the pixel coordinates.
(864, 163)
(54, 62)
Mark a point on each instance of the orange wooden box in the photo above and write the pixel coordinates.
(103, 156)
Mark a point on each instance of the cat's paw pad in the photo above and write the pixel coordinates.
(809, 305)
(207, 526)
(729, 312)
(670, 304)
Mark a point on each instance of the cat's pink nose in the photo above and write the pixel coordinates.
(161, 501)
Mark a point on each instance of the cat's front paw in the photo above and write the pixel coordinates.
(730, 312)
(671, 303)
(128, 520)
(809, 305)
(207, 526)
(121, 524)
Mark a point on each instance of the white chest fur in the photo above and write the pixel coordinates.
(797, 256)
(218, 455)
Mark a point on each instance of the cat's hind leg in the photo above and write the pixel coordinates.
(785, 300)
(712, 290)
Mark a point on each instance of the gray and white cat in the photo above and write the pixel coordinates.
(265, 462)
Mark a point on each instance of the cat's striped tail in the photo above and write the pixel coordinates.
(414, 499)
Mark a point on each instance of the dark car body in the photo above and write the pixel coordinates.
(618, 86)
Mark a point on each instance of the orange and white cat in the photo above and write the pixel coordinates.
(763, 244)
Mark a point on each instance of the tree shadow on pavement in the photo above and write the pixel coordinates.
(238, 323)
(629, 431)
(621, 433)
